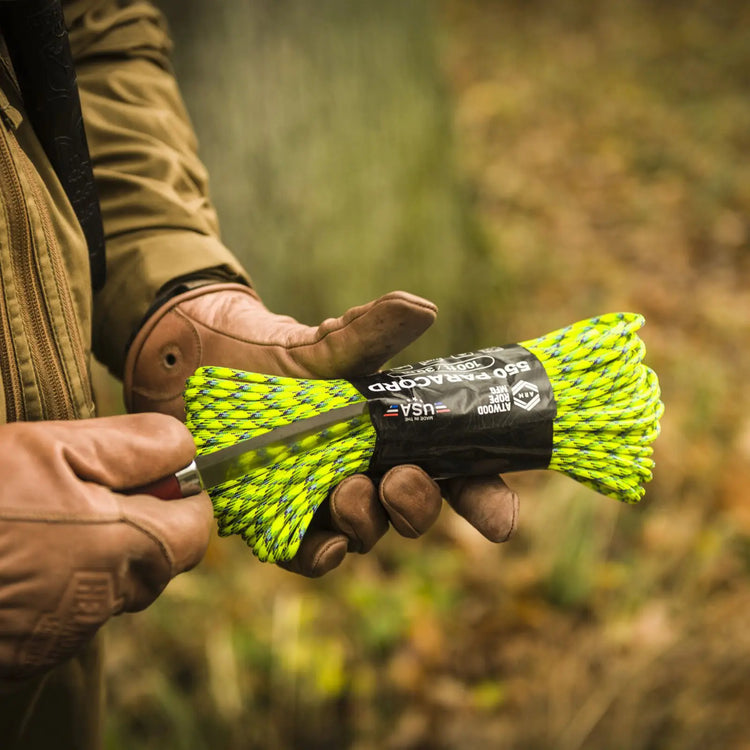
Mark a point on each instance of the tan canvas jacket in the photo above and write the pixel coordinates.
(158, 220)
(159, 225)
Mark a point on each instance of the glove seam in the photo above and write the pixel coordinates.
(151, 534)
(350, 533)
(26, 517)
(514, 519)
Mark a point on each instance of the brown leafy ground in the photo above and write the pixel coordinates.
(606, 147)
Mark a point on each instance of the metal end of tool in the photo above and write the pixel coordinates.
(189, 480)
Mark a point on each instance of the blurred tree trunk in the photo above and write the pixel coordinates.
(327, 134)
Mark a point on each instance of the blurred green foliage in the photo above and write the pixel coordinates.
(527, 164)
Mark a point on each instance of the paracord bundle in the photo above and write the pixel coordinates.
(579, 401)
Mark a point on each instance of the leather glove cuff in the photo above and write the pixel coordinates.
(166, 349)
(181, 285)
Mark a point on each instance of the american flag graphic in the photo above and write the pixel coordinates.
(391, 411)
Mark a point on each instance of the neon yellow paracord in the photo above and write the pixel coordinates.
(608, 411)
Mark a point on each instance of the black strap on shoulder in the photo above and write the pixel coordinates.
(37, 41)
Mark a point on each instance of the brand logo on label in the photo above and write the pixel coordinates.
(525, 395)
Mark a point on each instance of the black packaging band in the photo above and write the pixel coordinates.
(481, 413)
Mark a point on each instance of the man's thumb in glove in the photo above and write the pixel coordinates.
(228, 325)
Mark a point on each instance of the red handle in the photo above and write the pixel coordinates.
(184, 483)
(166, 489)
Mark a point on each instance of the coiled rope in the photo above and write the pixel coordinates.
(608, 411)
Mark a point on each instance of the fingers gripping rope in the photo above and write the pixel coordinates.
(607, 415)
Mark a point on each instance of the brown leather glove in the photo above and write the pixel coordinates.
(73, 552)
(228, 325)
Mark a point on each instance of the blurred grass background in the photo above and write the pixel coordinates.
(525, 165)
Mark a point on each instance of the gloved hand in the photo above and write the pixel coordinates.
(74, 551)
(228, 325)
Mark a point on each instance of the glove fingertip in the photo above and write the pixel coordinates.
(319, 553)
(487, 503)
(329, 556)
(411, 498)
(356, 512)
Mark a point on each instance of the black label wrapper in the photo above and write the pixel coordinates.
(480, 413)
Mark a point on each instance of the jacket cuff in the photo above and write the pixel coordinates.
(140, 270)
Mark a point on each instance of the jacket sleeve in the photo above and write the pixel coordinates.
(158, 220)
